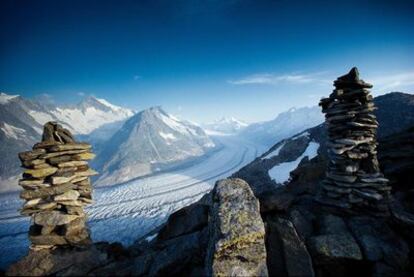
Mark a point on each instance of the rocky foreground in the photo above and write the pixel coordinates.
(223, 234)
(300, 237)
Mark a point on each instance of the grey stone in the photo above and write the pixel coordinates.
(60, 261)
(236, 231)
(297, 260)
(186, 220)
(67, 195)
(334, 248)
(330, 225)
(380, 242)
(70, 146)
(176, 254)
(53, 218)
(46, 192)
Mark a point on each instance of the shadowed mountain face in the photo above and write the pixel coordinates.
(395, 114)
(148, 142)
(18, 132)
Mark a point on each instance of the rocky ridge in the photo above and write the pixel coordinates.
(339, 244)
(285, 151)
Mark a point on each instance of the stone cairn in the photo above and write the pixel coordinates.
(353, 180)
(56, 186)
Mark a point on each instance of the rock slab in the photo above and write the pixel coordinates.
(236, 245)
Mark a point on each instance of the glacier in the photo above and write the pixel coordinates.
(129, 211)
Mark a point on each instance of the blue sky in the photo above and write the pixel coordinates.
(203, 59)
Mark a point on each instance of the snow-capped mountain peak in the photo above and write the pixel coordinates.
(148, 142)
(231, 119)
(101, 104)
(284, 125)
(90, 114)
(226, 125)
(5, 98)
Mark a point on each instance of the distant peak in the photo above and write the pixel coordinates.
(155, 109)
(3, 94)
(89, 99)
(98, 103)
(228, 119)
(5, 98)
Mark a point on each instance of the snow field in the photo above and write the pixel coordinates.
(281, 172)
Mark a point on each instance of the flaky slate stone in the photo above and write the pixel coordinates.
(53, 218)
(352, 150)
(67, 195)
(236, 245)
(57, 187)
(41, 173)
(70, 146)
(46, 192)
(31, 155)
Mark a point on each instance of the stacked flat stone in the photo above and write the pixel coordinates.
(353, 180)
(56, 187)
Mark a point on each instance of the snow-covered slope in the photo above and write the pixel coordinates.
(148, 142)
(21, 125)
(85, 117)
(225, 125)
(18, 132)
(275, 166)
(286, 124)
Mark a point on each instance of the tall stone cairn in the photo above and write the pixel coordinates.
(56, 187)
(353, 180)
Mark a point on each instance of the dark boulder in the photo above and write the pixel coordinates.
(288, 255)
(187, 220)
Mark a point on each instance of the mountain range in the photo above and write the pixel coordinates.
(21, 125)
(286, 124)
(148, 142)
(129, 144)
(225, 125)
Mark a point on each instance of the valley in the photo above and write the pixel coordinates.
(128, 211)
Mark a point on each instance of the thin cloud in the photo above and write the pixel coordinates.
(137, 77)
(274, 79)
(398, 81)
(81, 93)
